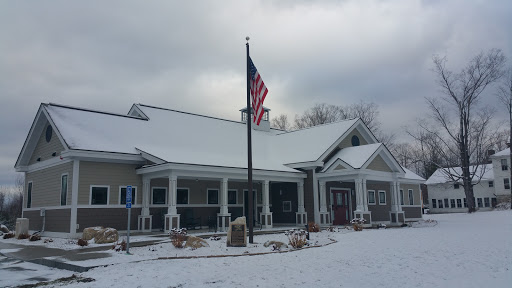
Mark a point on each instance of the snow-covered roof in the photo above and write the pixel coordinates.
(355, 156)
(505, 152)
(411, 175)
(441, 174)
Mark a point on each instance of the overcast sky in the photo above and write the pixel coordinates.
(190, 55)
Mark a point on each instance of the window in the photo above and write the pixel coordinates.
(494, 201)
(401, 196)
(158, 195)
(99, 195)
(182, 196)
(456, 186)
(491, 184)
(371, 197)
(446, 203)
(287, 206)
(440, 202)
(480, 204)
(504, 165)
(355, 140)
(382, 197)
(213, 196)
(29, 195)
(452, 203)
(411, 197)
(506, 182)
(122, 195)
(232, 195)
(487, 202)
(459, 203)
(63, 187)
(434, 203)
(465, 203)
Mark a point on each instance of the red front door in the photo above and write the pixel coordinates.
(340, 206)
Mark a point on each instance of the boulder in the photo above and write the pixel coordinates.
(91, 232)
(278, 244)
(4, 228)
(195, 242)
(106, 235)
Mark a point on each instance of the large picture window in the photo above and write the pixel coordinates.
(122, 195)
(213, 196)
(232, 196)
(382, 197)
(99, 195)
(371, 197)
(29, 195)
(182, 196)
(63, 188)
(158, 194)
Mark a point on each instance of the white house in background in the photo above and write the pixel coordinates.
(447, 196)
(501, 168)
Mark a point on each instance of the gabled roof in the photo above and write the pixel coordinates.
(502, 153)
(356, 156)
(440, 176)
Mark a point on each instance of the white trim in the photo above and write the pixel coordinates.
(290, 203)
(74, 196)
(218, 196)
(385, 196)
(100, 186)
(305, 165)
(236, 197)
(55, 161)
(188, 195)
(103, 156)
(166, 200)
(134, 199)
(374, 197)
(67, 188)
(47, 208)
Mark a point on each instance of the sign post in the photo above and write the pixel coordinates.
(129, 207)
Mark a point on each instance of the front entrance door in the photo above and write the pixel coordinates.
(340, 206)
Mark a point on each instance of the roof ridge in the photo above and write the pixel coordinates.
(324, 124)
(92, 111)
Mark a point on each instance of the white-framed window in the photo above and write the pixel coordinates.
(371, 197)
(401, 196)
(411, 197)
(446, 203)
(491, 183)
(480, 203)
(100, 195)
(459, 203)
(465, 203)
(440, 203)
(122, 195)
(212, 196)
(158, 195)
(232, 196)
(434, 203)
(504, 165)
(287, 206)
(182, 196)
(506, 183)
(487, 202)
(63, 188)
(29, 194)
(452, 203)
(382, 197)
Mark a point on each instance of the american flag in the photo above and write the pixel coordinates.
(258, 93)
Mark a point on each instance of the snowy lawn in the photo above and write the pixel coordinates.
(461, 250)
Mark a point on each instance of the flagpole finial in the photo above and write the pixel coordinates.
(247, 38)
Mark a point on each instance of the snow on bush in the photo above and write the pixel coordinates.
(503, 206)
(297, 238)
(357, 223)
(178, 237)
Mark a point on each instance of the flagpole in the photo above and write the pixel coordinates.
(249, 146)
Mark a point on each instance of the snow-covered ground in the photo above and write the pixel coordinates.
(459, 250)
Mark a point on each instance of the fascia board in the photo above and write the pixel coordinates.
(103, 156)
(305, 165)
(151, 157)
(29, 137)
(338, 141)
(339, 162)
(382, 150)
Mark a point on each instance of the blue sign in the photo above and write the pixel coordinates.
(128, 196)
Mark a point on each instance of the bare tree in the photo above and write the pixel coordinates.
(318, 115)
(281, 122)
(505, 96)
(461, 128)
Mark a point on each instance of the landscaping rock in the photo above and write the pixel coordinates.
(91, 232)
(106, 235)
(195, 242)
(4, 228)
(278, 244)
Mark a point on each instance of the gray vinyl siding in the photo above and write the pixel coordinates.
(379, 164)
(415, 191)
(107, 217)
(107, 174)
(412, 212)
(380, 212)
(45, 149)
(57, 220)
(46, 186)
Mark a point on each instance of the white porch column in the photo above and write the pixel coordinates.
(324, 215)
(399, 204)
(365, 194)
(359, 195)
(223, 217)
(145, 220)
(395, 197)
(266, 216)
(172, 218)
(74, 198)
(397, 216)
(301, 216)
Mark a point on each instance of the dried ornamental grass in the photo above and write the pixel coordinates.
(178, 237)
(313, 227)
(357, 223)
(297, 238)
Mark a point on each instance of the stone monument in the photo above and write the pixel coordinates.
(237, 233)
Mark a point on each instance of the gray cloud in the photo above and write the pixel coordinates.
(190, 56)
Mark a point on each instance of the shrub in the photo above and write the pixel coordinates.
(313, 227)
(178, 237)
(120, 246)
(357, 223)
(8, 235)
(48, 240)
(215, 237)
(297, 238)
(34, 237)
(331, 229)
(82, 242)
(23, 236)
